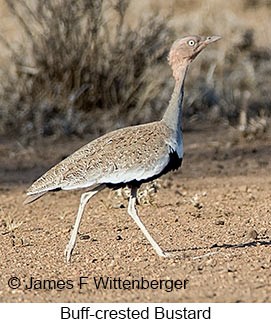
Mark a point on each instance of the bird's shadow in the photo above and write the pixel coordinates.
(261, 242)
(254, 243)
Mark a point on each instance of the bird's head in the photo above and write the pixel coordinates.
(185, 50)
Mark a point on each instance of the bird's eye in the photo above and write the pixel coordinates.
(191, 42)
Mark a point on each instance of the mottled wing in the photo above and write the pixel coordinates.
(132, 153)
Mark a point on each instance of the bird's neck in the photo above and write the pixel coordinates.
(173, 114)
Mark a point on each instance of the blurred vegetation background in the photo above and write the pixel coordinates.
(77, 67)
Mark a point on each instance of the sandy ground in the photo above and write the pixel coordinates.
(213, 215)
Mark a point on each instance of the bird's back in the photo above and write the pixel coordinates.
(121, 156)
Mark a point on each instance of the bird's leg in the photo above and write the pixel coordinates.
(133, 213)
(83, 201)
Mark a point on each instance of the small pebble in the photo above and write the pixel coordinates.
(253, 234)
(84, 237)
(118, 206)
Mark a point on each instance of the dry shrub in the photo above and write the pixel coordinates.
(145, 194)
(257, 3)
(82, 68)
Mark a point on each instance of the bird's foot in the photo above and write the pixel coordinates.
(68, 251)
(166, 254)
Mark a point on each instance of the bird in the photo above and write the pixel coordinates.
(128, 156)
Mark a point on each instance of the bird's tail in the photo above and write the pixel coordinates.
(33, 197)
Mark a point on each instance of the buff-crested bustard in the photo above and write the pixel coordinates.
(128, 156)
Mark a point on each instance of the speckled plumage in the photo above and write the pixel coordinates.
(123, 155)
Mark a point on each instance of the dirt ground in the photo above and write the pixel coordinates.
(214, 216)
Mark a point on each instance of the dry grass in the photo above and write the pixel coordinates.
(145, 195)
(82, 59)
(105, 61)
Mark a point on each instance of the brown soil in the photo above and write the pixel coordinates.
(213, 215)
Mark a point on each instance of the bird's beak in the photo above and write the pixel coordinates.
(211, 39)
(205, 41)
